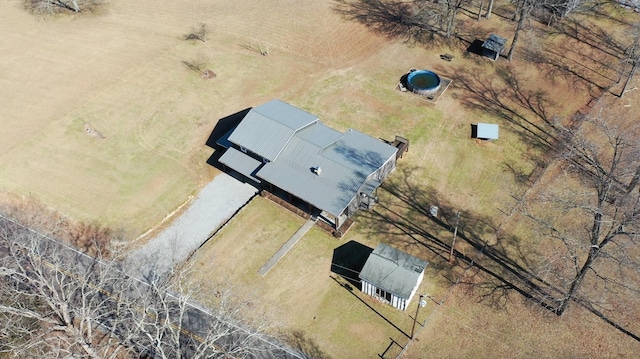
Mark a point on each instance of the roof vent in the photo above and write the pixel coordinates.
(317, 170)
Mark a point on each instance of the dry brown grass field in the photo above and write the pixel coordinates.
(121, 71)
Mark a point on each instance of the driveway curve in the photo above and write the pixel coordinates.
(216, 203)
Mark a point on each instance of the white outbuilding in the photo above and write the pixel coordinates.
(392, 276)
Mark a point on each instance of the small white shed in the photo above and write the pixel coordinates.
(487, 131)
(392, 276)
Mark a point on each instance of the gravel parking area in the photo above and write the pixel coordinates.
(216, 203)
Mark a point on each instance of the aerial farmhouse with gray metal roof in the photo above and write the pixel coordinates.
(279, 145)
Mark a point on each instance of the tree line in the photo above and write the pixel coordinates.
(437, 20)
(57, 302)
(590, 214)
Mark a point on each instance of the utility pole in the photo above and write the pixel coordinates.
(421, 303)
(453, 242)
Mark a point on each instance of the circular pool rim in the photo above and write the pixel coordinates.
(423, 90)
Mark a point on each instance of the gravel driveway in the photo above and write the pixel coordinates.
(215, 204)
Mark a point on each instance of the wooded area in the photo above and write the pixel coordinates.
(58, 302)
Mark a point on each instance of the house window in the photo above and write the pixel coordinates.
(243, 149)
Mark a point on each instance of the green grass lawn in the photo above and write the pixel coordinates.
(157, 115)
(309, 303)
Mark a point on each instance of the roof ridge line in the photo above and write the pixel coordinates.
(333, 142)
(317, 120)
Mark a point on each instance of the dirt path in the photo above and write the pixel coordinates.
(287, 246)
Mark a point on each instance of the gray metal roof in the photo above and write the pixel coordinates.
(359, 151)
(319, 135)
(393, 270)
(487, 131)
(494, 43)
(267, 128)
(346, 160)
(330, 190)
(240, 162)
(345, 164)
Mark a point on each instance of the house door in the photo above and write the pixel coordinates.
(383, 295)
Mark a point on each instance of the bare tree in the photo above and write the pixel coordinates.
(63, 309)
(257, 47)
(198, 33)
(200, 65)
(53, 6)
(451, 9)
(58, 302)
(443, 12)
(524, 8)
(591, 214)
(632, 56)
(489, 9)
(562, 8)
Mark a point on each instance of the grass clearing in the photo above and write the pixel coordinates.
(125, 77)
(463, 328)
(299, 293)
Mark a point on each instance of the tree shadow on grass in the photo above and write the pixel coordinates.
(305, 346)
(411, 217)
(395, 20)
(590, 34)
(350, 289)
(414, 22)
(595, 70)
(491, 270)
(502, 94)
(599, 10)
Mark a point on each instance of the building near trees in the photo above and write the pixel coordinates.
(493, 46)
(284, 149)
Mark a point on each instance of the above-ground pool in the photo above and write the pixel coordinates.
(423, 82)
